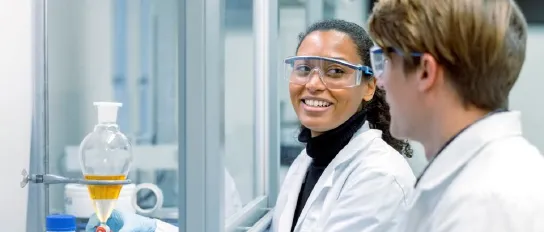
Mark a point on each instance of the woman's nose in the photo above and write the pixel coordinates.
(315, 82)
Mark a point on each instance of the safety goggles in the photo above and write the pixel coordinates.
(379, 60)
(334, 73)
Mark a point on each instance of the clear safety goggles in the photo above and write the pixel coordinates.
(334, 73)
(379, 60)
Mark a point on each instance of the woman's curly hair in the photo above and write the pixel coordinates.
(377, 109)
(377, 113)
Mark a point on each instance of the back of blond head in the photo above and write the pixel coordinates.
(480, 43)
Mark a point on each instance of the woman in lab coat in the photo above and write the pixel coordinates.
(352, 175)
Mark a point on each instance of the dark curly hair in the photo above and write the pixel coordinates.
(377, 109)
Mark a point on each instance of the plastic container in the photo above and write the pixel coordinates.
(60, 223)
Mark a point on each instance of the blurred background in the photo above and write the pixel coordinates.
(127, 51)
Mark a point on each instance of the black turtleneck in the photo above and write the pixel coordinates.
(323, 149)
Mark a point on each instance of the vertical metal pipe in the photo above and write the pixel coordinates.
(265, 28)
(38, 200)
(260, 32)
(45, 108)
(182, 132)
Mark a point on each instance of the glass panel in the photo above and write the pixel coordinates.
(251, 107)
(292, 22)
(121, 51)
(240, 155)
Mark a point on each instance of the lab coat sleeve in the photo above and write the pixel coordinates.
(165, 227)
(370, 201)
(476, 212)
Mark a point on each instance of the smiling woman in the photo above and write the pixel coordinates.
(349, 150)
(342, 79)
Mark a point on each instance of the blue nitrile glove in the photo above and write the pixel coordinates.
(124, 222)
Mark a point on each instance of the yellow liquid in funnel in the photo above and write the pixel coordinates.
(104, 196)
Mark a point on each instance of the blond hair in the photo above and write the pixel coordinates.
(480, 43)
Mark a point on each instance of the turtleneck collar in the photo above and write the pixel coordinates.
(324, 147)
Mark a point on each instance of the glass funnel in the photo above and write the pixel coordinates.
(105, 154)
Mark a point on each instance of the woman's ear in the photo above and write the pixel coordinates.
(369, 90)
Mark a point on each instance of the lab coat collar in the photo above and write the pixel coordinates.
(468, 144)
(360, 140)
(346, 154)
(355, 144)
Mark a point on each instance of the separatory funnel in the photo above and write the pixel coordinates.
(105, 155)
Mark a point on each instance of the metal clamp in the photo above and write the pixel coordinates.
(55, 179)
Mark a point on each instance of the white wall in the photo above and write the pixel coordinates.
(526, 95)
(16, 73)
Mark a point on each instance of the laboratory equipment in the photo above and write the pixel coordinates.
(158, 195)
(77, 201)
(155, 164)
(56, 179)
(60, 222)
(105, 154)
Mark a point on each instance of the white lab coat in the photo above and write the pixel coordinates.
(233, 204)
(362, 189)
(488, 179)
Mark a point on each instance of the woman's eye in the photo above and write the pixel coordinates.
(302, 68)
(335, 72)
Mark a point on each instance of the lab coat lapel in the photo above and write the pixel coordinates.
(359, 141)
(467, 145)
(296, 180)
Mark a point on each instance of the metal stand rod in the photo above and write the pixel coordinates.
(48, 179)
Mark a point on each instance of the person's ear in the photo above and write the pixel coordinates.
(427, 72)
(369, 90)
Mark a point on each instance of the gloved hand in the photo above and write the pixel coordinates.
(124, 222)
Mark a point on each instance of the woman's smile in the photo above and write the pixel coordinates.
(313, 105)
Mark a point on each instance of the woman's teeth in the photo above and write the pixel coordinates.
(316, 103)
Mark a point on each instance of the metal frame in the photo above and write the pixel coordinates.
(201, 115)
(248, 216)
(265, 28)
(263, 224)
(38, 196)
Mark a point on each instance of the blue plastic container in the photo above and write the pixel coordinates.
(60, 223)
